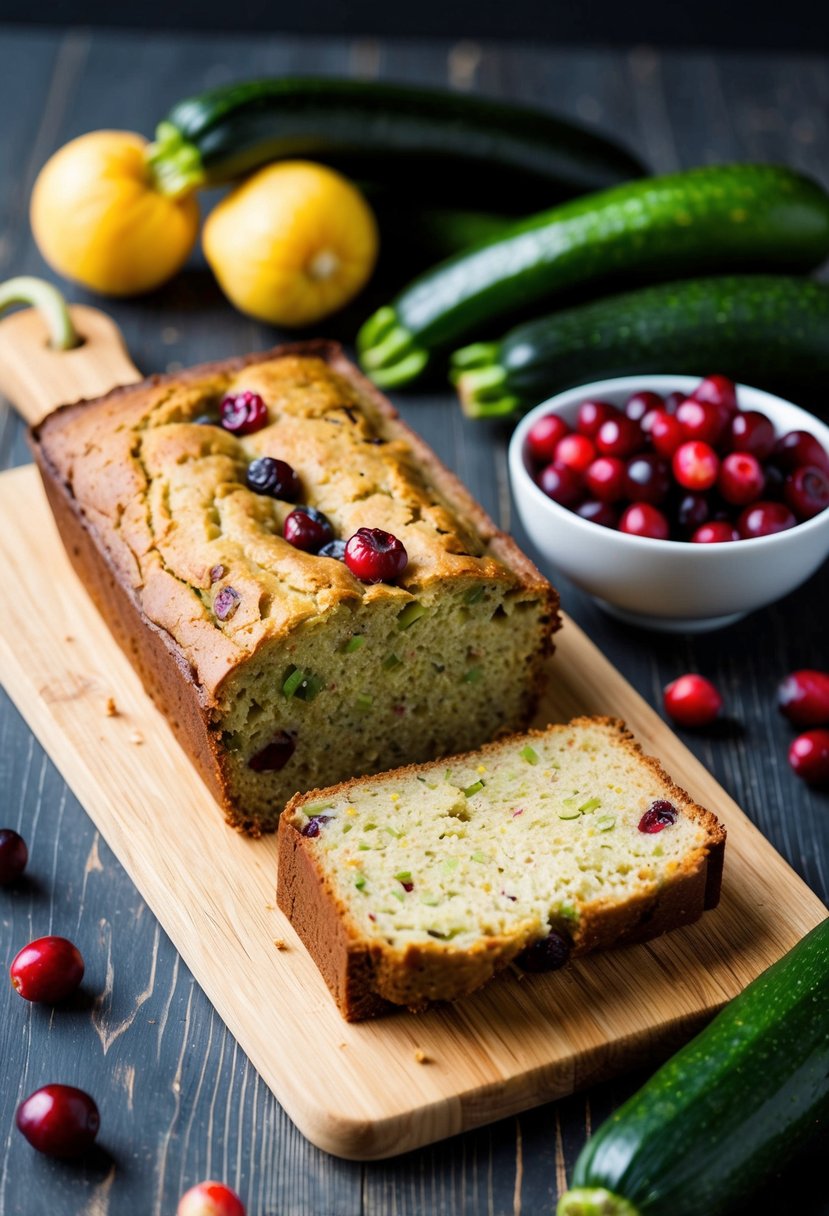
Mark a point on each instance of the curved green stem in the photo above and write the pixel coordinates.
(26, 289)
(594, 1201)
(483, 394)
(175, 164)
(388, 352)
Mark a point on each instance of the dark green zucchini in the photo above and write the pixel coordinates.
(721, 218)
(726, 1112)
(450, 148)
(770, 331)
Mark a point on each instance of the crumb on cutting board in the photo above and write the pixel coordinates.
(136, 737)
(112, 710)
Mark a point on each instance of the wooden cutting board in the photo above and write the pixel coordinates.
(374, 1089)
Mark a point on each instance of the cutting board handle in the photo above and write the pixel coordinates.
(35, 378)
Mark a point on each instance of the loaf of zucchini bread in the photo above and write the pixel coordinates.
(419, 885)
(207, 513)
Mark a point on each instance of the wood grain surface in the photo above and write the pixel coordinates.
(179, 1101)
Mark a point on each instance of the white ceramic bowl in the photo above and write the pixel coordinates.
(663, 584)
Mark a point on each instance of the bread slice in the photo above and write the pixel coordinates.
(278, 669)
(419, 884)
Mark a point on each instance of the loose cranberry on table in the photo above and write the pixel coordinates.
(806, 491)
(764, 519)
(47, 971)
(59, 1120)
(641, 519)
(14, 856)
(307, 529)
(243, 413)
(375, 556)
(273, 477)
(809, 757)
(210, 1199)
(692, 701)
(561, 484)
(544, 437)
(803, 697)
(576, 451)
(548, 954)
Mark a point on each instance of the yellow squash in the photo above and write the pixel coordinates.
(98, 218)
(292, 244)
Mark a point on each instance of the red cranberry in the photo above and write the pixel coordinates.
(647, 479)
(719, 391)
(693, 511)
(642, 519)
(543, 437)
(592, 414)
(226, 603)
(658, 816)
(674, 400)
(576, 451)
(752, 432)
(764, 519)
(695, 465)
(561, 484)
(307, 529)
(666, 433)
(14, 856)
(809, 756)
(797, 448)
(335, 549)
(715, 533)
(210, 1199)
(312, 827)
(803, 697)
(741, 479)
(605, 478)
(598, 513)
(807, 491)
(274, 478)
(375, 556)
(548, 954)
(775, 482)
(274, 755)
(619, 437)
(691, 700)
(642, 403)
(47, 970)
(59, 1120)
(243, 413)
(700, 420)
(647, 420)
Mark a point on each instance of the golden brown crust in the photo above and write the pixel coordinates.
(185, 674)
(357, 971)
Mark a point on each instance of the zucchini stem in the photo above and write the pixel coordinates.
(173, 162)
(482, 392)
(594, 1201)
(26, 289)
(388, 353)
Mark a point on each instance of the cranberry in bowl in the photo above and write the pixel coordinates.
(642, 565)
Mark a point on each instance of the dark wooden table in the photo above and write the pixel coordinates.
(179, 1101)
